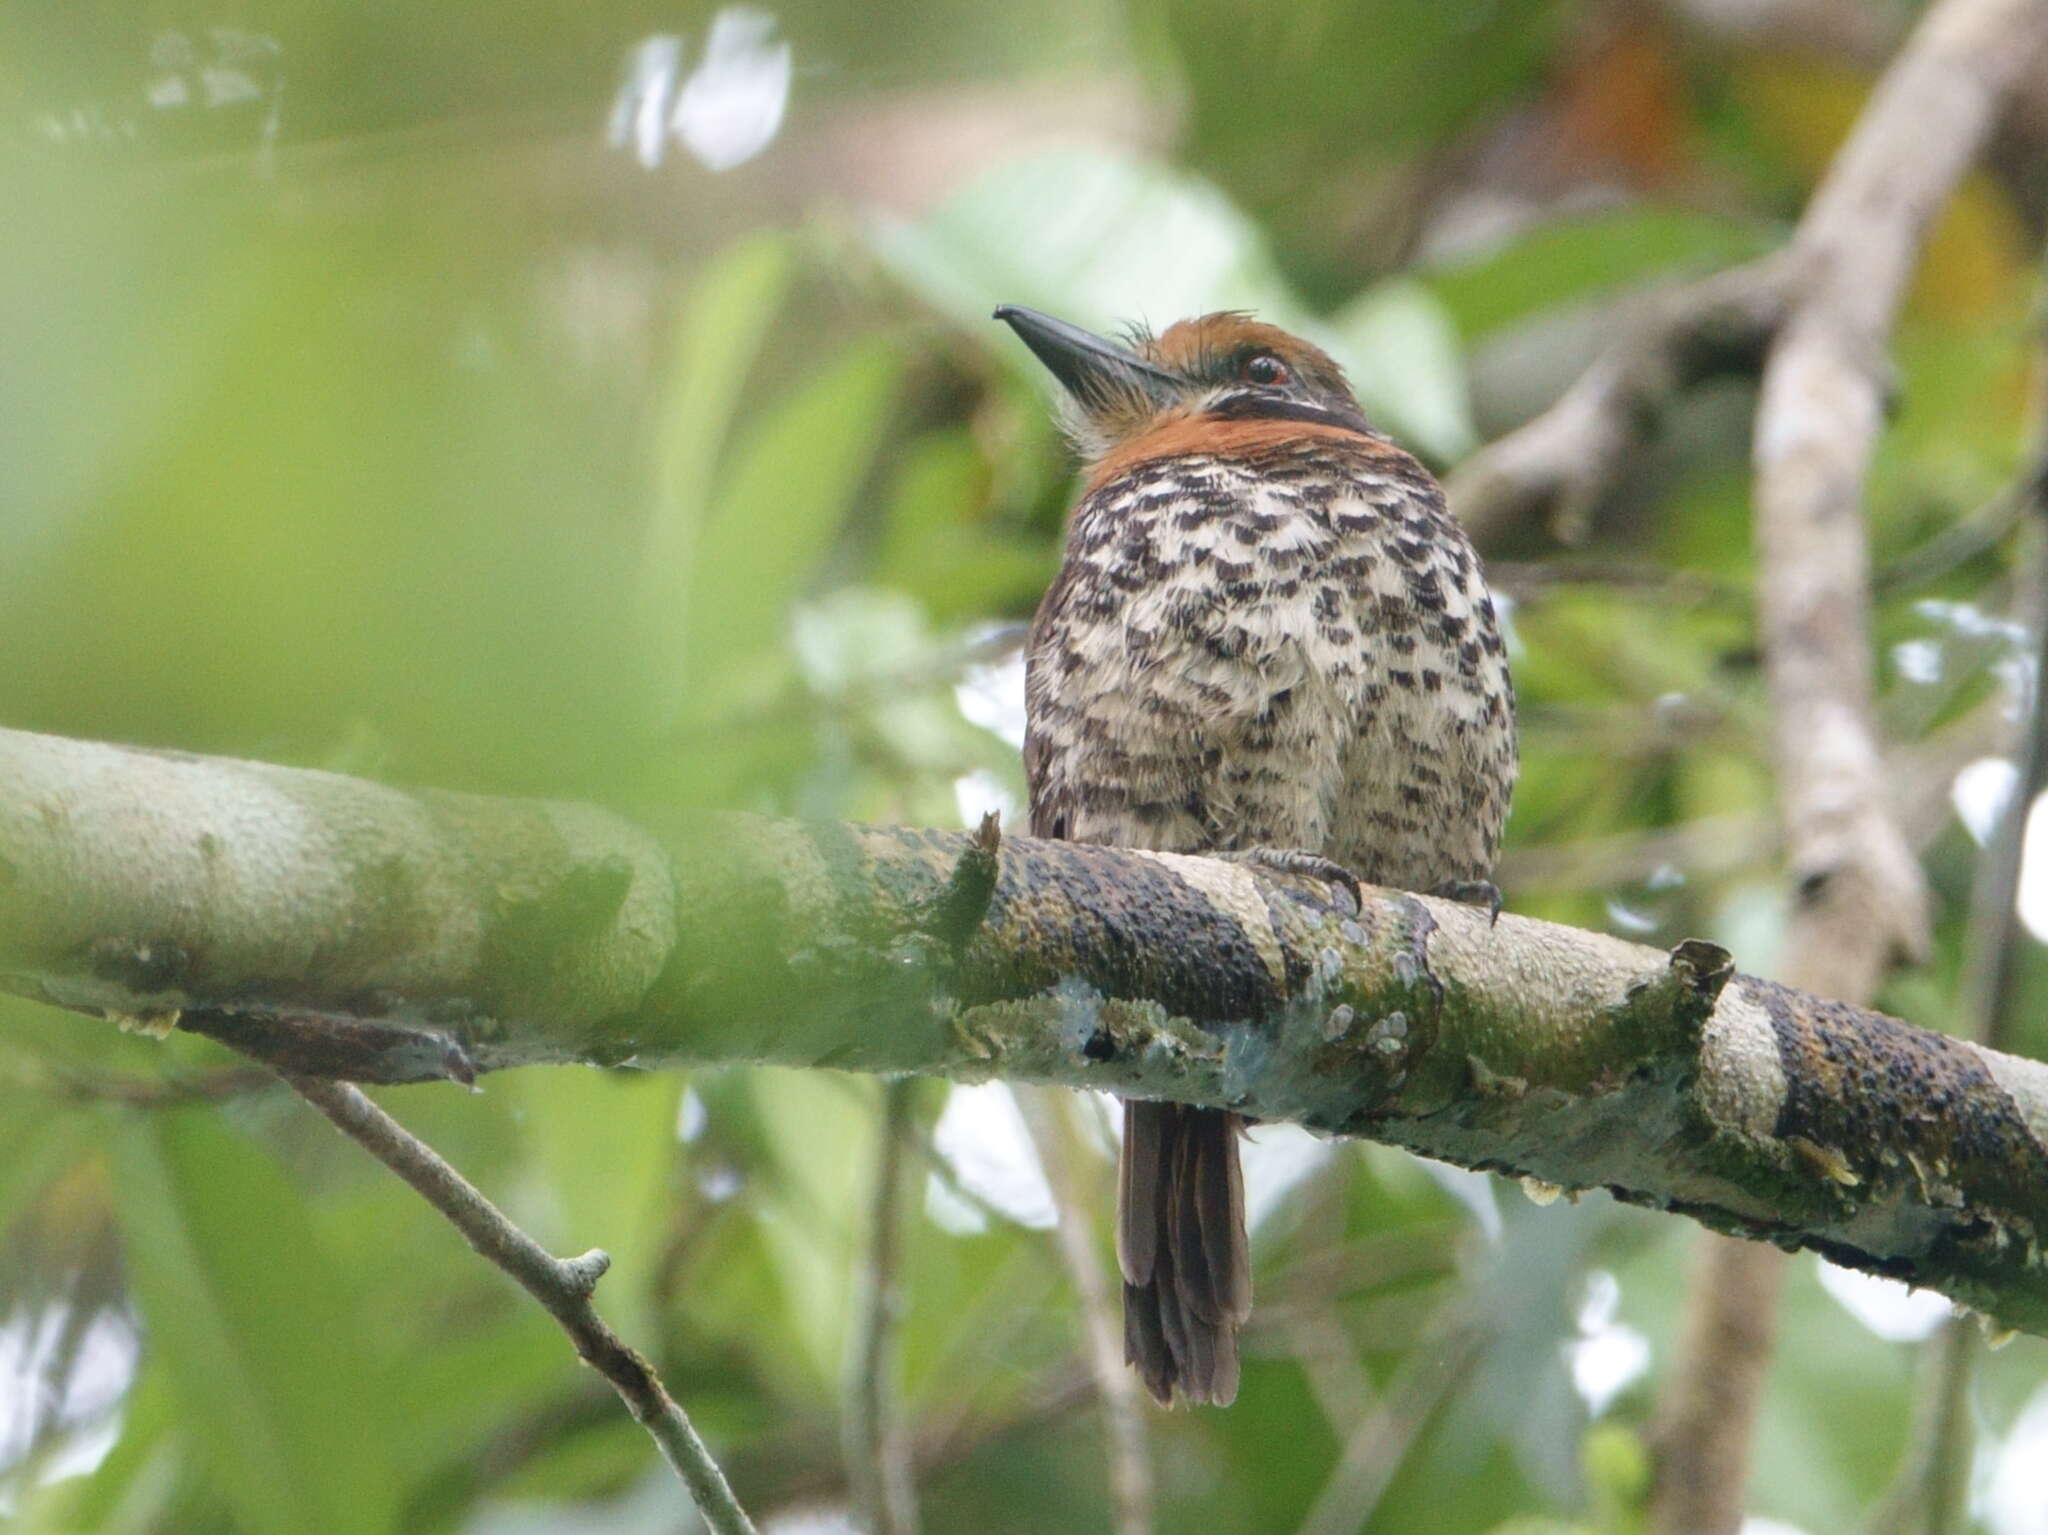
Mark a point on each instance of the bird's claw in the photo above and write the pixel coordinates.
(1292, 860)
(1473, 892)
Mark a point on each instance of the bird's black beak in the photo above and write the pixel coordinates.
(1094, 371)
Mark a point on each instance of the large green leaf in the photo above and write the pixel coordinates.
(469, 1389)
(276, 1381)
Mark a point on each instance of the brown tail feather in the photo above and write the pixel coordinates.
(1182, 1246)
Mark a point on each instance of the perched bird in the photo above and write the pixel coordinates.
(1268, 638)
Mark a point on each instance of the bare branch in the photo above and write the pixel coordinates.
(562, 1286)
(1049, 1119)
(1823, 398)
(1862, 901)
(1930, 1491)
(1567, 459)
(1847, 30)
(1918, 776)
(877, 1453)
(1706, 1412)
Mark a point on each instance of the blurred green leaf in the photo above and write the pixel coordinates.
(602, 1146)
(718, 335)
(780, 507)
(1298, 86)
(468, 1388)
(1571, 259)
(1834, 1415)
(135, 1489)
(607, 1455)
(1618, 1470)
(39, 1139)
(1105, 242)
(1399, 344)
(939, 543)
(266, 1354)
(985, 1309)
(820, 1133)
(1310, 113)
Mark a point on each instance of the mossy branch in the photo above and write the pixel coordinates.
(345, 928)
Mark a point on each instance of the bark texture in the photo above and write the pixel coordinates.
(345, 928)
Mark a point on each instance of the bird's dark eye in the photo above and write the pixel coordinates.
(1264, 368)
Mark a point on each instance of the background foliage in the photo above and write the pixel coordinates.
(503, 397)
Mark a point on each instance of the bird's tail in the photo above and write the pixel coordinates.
(1180, 1240)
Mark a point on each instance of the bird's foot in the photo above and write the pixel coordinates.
(1473, 892)
(1293, 860)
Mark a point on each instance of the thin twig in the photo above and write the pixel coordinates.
(1326, 1351)
(1926, 1497)
(562, 1286)
(1381, 1439)
(1978, 532)
(1050, 1119)
(1707, 1406)
(877, 1458)
(1991, 965)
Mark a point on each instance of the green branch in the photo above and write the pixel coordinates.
(345, 928)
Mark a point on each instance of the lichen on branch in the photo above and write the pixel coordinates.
(140, 883)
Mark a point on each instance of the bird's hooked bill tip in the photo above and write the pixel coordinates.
(1085, 363)
(1024, 320)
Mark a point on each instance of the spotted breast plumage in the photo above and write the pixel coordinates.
(1267, 638)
